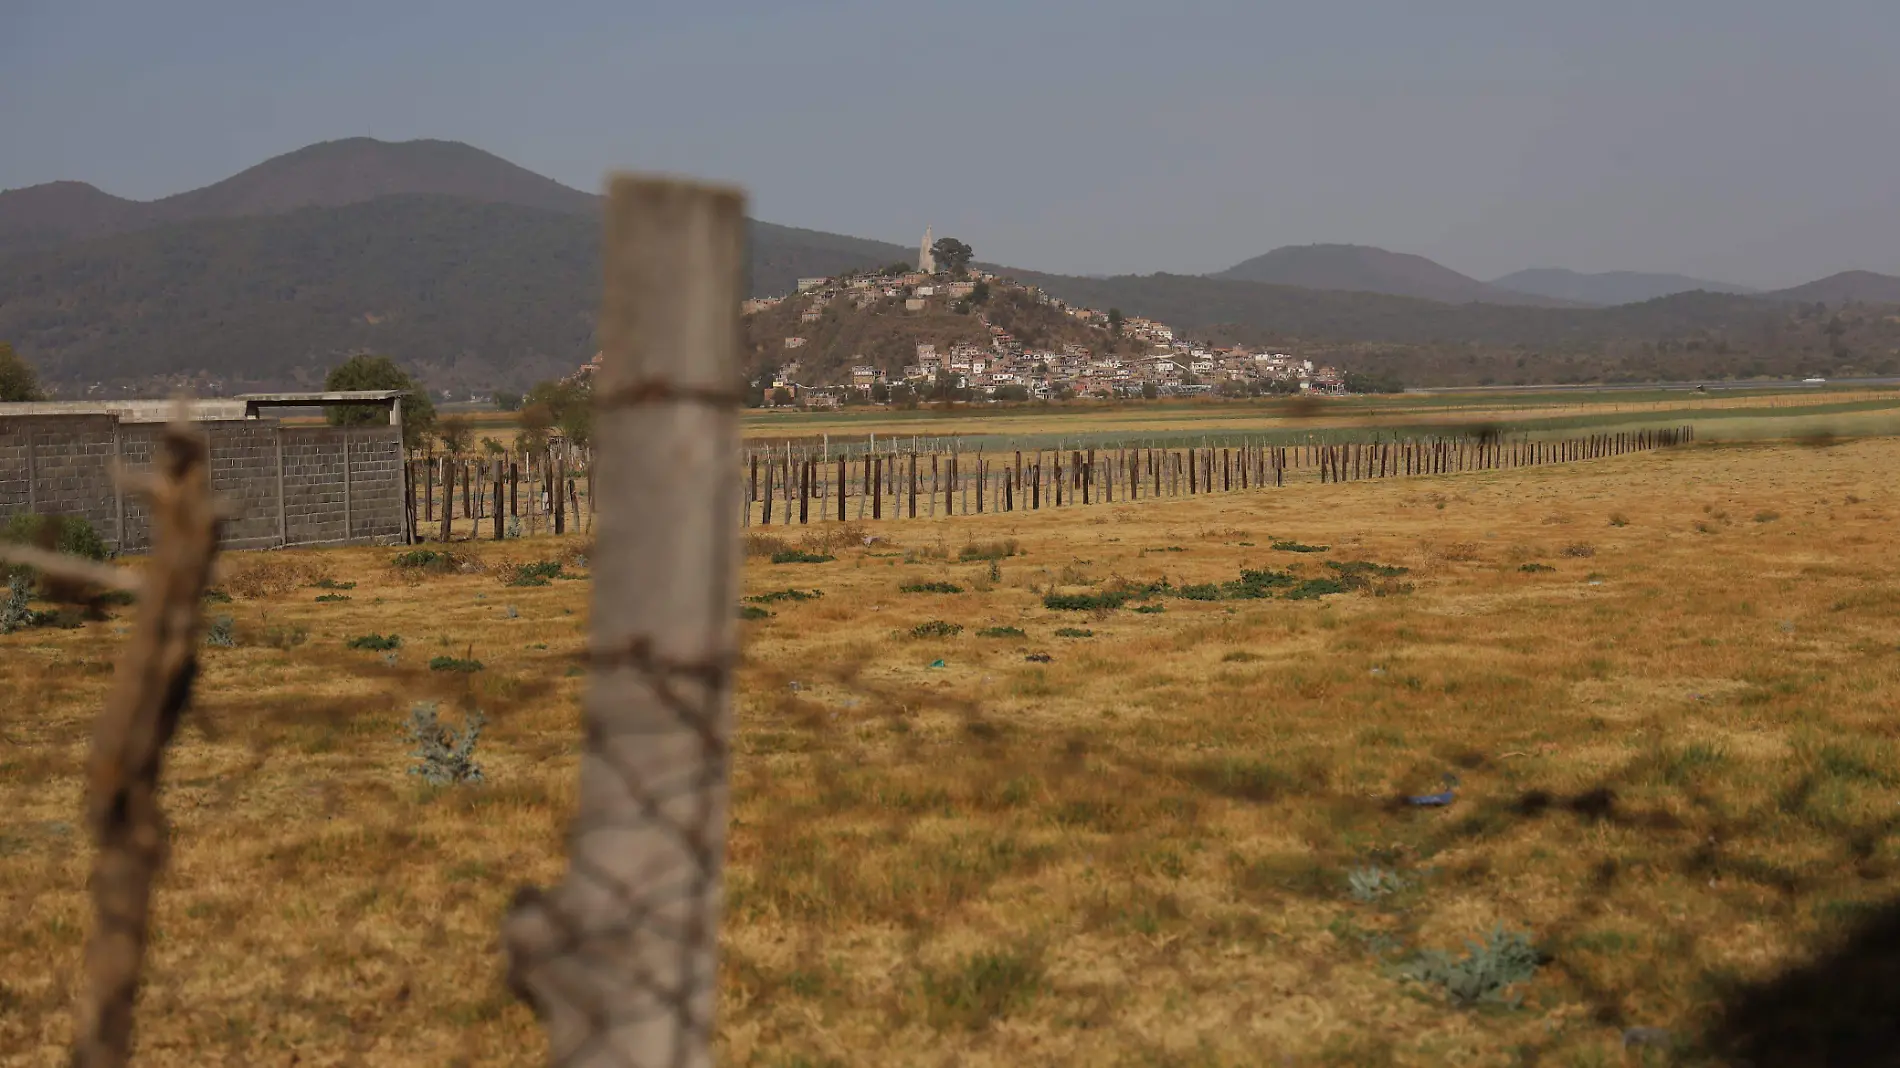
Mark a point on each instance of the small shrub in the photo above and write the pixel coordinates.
(1239, 656)
(14, 613)
(1039, 658)
(1380, 580)
(800, 556)
(988, 550)
(753, 611)
(1766, 516)
(936, 628)
(1580, 550)
(447, 756)
(221, 632)
(213, 595)
(1534, 567)
(535, 574)
(931, 587)
(1085, 602)
(414, 565)
(786, 595)
(331, 597)
(1366, 885)
(1074, 632)
(513, 528)
(453, 663)
(1001, 632)
(1150, 609)
(380, 643)
(1205, 591)
(1618, 519)
(765, 545)
(268, 578)
(1296, 547)
(327, 583)
(286, 636)
(69, 534)
(996, 573)
(1484, 974)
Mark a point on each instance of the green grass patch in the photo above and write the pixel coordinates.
(1534, 567)
(423, 560)
(1204, 591)
(332, 597)
(974, 993)
(1107, 600)
(1150, 609)
(1001, 632)
(380, 643)
(800, 556)
(786, 595)
(1074, 632)
(1315, 588)
(936, 628)
(1255, 585)
(931, 587)
(753, 611)
(455, 663)
(1297, 547)
(539, 573)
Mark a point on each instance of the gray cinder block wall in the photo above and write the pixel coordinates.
(283, 485)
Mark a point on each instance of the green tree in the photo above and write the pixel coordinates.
(17, 380)
(1115, 321)
(507, 401)
(1149, 391)
(979, 293)
(492, 448)
(880, 392)
(1372, 382)
(781, 396)
(380, 372)
(952, 256)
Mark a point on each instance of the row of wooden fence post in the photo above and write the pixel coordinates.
(774, 478)
(430, 485)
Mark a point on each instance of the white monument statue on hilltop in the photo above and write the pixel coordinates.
(926, 260)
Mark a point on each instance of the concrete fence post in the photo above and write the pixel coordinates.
(619, 960)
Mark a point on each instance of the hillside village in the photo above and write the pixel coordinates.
(945, 331)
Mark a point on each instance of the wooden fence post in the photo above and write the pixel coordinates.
(619, 960)
(500, 533)
(151, 688)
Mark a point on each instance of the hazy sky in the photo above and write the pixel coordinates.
(1743, 140)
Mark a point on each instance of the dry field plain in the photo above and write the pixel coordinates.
(1180, 840)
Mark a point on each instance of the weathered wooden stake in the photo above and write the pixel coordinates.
(150, 690)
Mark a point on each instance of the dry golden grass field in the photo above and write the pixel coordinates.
(1181, 840)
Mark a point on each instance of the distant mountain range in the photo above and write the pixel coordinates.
(1363, 269)
(480, 274)
(1608, 287)
(1862, 287)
